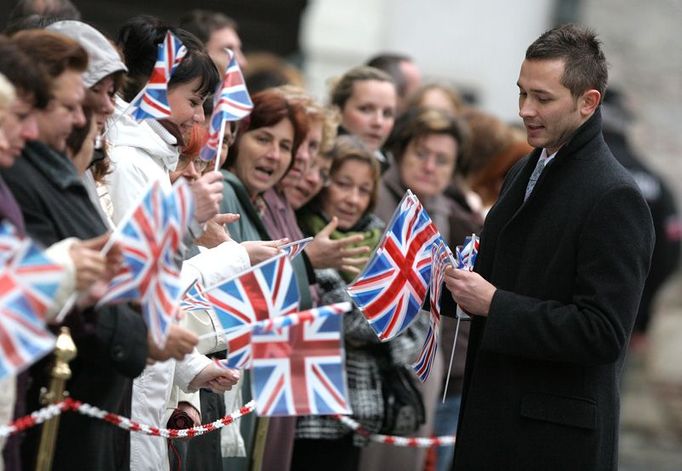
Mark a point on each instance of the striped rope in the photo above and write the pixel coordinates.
(410, 442)
(46, 413)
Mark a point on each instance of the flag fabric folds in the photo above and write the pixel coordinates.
(151, 237)
(29, 281)
(152, 103)
(299, 370)
(467, 253)
(441, 258)
(393, 286)
(292, 249)
(265, 291)
(231, 103)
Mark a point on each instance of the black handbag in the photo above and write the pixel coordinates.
(403, 404)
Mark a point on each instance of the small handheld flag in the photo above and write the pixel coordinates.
(231, 103)
(152, 101)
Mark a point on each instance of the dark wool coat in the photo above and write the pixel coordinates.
(541, 384)
(111, 341)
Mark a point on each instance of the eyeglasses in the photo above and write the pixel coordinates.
(199, 165)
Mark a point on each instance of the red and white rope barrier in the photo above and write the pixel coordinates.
(411, 442)
(125, 423)
(46, 413)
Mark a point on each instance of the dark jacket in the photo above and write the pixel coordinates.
(111, 341)
(666, 217)
(541, 387)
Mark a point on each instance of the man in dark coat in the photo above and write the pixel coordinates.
(563, 258)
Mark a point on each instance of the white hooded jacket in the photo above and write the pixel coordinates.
(142, 153)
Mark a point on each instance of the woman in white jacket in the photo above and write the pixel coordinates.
(145, 152)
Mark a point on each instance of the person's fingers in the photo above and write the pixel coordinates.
(355, 251)
(279, 242)
(226, 218)
(95, 243)
(353, 239)
(355, 262)
(212, 177)
(331, 227)
(350, 269)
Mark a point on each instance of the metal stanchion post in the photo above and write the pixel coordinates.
(64, 352)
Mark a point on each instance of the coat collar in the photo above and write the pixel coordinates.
(572, 150)
(54, 165)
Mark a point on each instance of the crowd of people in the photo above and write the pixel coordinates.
(553, 299)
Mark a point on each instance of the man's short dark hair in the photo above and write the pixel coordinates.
(585, 65)
(56, 10)
(28, 79)
(390, 63)
(202, 23)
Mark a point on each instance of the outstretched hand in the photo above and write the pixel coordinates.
(325, 252)
(261, 250)
(216, 378)
(215, 232)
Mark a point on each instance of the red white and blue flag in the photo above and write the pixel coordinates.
(265, 291)
(195, 299)
(441, 258)
(29, 281)
(299, 370)
(153, 101)
(466, 254)
(150, 239)
(393, 286)
(231, 103)
(292, 249)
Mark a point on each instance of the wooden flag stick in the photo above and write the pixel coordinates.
(452, 356)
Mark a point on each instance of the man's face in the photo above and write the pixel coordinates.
(64, 112)
(550, 113)
(20, 125)
(225, 38)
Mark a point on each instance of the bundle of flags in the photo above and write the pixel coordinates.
(152, 101)
(410, 259)
(231, 103)
(393, 286)
(296, 357)
(151, 238)
(441, 257)
(267, 290)
(29, 281)
(466, 254)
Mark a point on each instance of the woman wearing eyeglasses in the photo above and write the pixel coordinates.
(427, 144)
(350, 198)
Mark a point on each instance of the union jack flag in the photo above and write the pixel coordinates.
(467, 253)
(392, 287)
(292, 249)
(28, 285)
(266, 290)
(442, 257)
(150, 238)
(299, 370)
(231, 103)
(195, 299)
(153, 101)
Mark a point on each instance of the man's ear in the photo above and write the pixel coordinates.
(589, 101)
